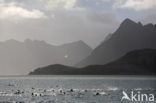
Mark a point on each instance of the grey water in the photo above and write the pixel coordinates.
(72, 89)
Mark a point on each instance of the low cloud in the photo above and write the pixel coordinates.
(135, 4)
(61, 4)
(13, 11)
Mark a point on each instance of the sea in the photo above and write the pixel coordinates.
(77, 89)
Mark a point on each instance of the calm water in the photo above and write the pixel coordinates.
(72, 89)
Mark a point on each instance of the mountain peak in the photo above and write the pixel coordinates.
(150, 25)
(84, 44)
(12, 41)
(128, 24)
(81, 42)
(128, 37)
(128, 21)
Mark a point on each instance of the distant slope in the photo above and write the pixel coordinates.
(138, 62)
(53, 69)
(128, 37)
(18, 58)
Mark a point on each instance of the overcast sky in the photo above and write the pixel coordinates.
(62, 21)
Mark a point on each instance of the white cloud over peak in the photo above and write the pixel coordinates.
(13, 11)
(135, 4)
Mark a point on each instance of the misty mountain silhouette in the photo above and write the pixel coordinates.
(19, 58)
(128, 37)
(138, 62)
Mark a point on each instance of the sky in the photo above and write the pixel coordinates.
(63, 21)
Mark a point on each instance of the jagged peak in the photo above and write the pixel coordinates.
(35, 41)
(28, 40)
(12, 41)
(129, 24)
(149, 25)
(81, 41)
(128, 21)
(140, 23)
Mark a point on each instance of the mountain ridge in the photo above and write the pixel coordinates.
(21, 57)
(137, 62)
(129, 36)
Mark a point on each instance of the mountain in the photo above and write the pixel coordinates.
(138, 62)
(128, 37)
(55, 69)
(18, 58)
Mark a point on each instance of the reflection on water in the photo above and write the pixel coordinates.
(71, 89)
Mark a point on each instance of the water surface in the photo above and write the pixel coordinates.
(72, 89)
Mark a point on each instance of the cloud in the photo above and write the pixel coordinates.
(62, 4)
(135, 4)
(66, 27)
(106, 0)
(65, 21)
(13, 11)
